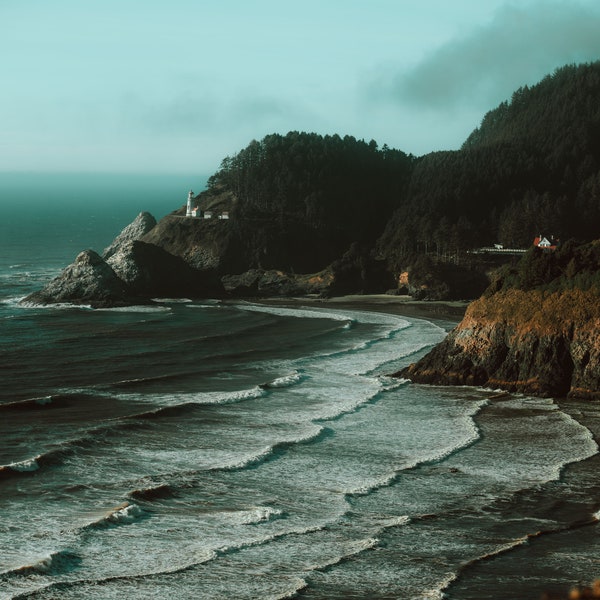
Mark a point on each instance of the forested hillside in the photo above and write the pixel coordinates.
(572, 266)
(300, 201)
(532, 166)
(313, 214)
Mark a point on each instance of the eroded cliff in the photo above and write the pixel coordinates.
(534, 342)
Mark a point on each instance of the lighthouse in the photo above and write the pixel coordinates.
(190, 211)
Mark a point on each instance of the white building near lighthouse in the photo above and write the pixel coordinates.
(194, 211)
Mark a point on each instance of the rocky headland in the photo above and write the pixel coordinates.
(130, 271)
(535, 342)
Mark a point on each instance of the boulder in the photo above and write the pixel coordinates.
(258, 282)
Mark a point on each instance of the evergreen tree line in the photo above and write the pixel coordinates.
(303, 199)
(531, 167)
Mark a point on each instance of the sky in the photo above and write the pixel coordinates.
(174, 86)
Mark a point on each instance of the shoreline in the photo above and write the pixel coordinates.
(452, 311)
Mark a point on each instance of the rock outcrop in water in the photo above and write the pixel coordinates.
(131, 271)
(534, 342)
(88, 280)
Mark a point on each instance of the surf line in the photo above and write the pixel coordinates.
(515, 545)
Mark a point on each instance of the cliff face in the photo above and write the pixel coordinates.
(532, 342)
(202, 243)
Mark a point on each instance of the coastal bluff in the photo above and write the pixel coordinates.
(533, 342)
(130, 271)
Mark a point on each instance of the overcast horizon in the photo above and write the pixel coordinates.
(149, 87)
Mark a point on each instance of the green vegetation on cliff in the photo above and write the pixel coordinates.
(533, 165)
(572, 266)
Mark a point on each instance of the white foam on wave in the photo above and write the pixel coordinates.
(206, 303)
(199, 398)
(286, 380)
(470, 434)
(43, 400)
(297, 585)
(247, 460)
(16, 404)
(352, 548)
(58, 306)
(122, 514)
(473, 433)
(301, 313)
(396, 521)
(351, 399)
(13, 301)
(392, 383)
(50, 563)
(227, 397)
(127, 513)
(588, 448)
(555, 440)
(375, 484)
(438, 593)
(311, 432)
(172, 300)
(385, 347)
(137, 308)
(25, 466)
(254, 515)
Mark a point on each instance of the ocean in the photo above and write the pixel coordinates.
(217, 449)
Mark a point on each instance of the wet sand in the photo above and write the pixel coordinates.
(452, 311)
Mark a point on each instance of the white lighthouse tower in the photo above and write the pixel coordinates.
(190, 211)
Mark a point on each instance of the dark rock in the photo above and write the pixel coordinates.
(257, 282)
(150, 271)
(141, 225)
(134, 272)
(88, 280)
(204, 244)
(526, 342)
(244, 284)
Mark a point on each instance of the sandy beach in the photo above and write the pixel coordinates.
(452, 311)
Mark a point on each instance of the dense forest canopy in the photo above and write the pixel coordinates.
(303, 199)
(532, 166)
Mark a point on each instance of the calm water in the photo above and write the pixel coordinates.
(207, 449)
